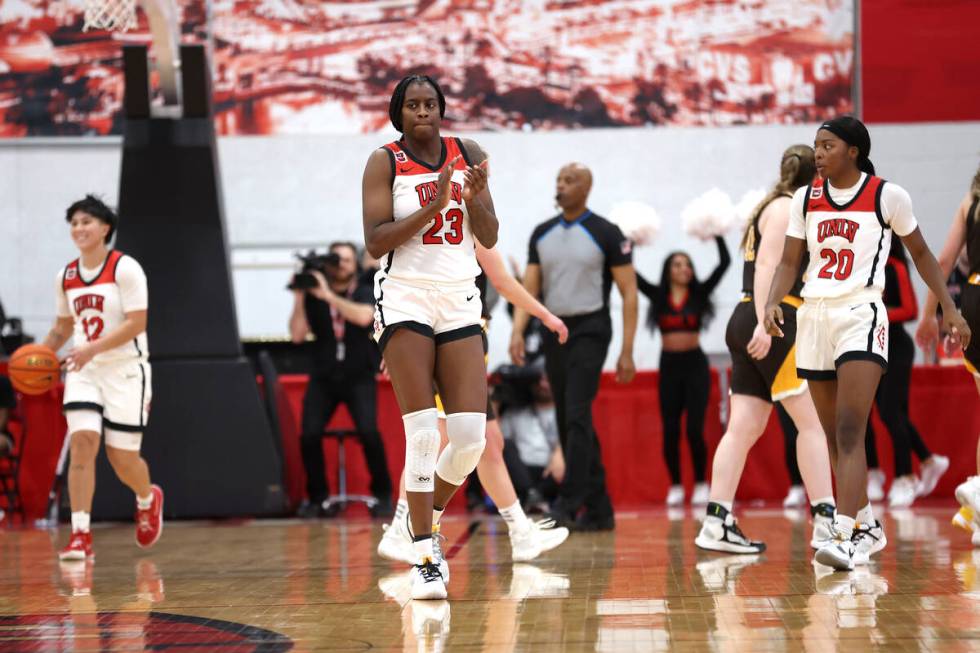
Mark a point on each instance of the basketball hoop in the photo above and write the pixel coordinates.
(161, 16)
(111, 15)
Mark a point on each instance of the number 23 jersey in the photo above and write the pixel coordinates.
(98, 300)
(848, 233)
(443, 250)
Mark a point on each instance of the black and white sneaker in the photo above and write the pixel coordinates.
(837, 553)
(428, 583)
(823, 525)
(720, 532)
(868, 540)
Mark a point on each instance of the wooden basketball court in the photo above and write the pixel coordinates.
(319, 586)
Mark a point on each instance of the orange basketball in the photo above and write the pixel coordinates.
(34, 369)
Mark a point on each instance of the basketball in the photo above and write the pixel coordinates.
(34, 369)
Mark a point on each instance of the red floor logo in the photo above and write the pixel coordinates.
(155, 631)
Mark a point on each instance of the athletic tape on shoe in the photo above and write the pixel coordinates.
(467, 439)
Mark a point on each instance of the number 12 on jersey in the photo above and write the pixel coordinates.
(453, 234)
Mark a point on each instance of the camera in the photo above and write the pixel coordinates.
(513, 386)
(311, 261)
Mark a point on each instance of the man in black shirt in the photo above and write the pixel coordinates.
(340, 313)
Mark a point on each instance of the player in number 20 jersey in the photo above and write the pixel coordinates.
(845, 223)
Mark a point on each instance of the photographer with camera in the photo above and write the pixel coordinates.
(339, 311)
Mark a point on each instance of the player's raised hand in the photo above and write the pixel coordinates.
(476, 180)
(443, 187)
(773, 319)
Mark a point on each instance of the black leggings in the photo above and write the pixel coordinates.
(789, 438)
(684, 384)
(893, 406)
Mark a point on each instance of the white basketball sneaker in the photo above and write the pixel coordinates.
(868, 540)
(437, 555)
(675, 495)
(876, 485)
(795, 498)
(720, 532)
(427, 582)
(968, 495)
(823, 525)
(396, 543)
(838, 553)
(540, 536)
(902, 492)
(701, 494)
(930, 472)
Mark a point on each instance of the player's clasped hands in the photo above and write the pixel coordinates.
(476, 180)
(772, 320)
(443, 192)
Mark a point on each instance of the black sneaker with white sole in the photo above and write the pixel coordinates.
(720, 532)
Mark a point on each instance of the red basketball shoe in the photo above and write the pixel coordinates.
(79, 547)
(149, 522)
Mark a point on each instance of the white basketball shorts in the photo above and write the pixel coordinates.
(119, 392)
(444, 312)
(830, 332)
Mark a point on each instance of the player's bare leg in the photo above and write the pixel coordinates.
(84, 447)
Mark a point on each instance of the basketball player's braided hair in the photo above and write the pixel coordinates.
(797, 168)
(95, 207)
(975, 186)
(398, 98)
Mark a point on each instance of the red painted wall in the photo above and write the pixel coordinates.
(920, 60)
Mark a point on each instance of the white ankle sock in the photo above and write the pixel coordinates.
(844, 525)
(517, 521)
(436, 516)
(865, 516)
(80, 521)
(423, 549)
(727, 505)
(144, 503)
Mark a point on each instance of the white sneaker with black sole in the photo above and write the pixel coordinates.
(720, 532)
(868, 540)
(838, 554)
(428, 582)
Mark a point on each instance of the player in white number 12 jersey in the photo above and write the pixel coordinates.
(845, 222)
(102, 303)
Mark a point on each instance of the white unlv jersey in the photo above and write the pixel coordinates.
(98, 301)
(443, 250)
(848, 233)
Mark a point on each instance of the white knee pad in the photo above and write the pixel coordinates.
(83, 420)
(467, 437)
(421, 449)
(125, 440)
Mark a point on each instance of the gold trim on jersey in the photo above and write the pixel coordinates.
(793, 301)
(787, 384)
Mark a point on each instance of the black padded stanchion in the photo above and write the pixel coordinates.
(209, 443)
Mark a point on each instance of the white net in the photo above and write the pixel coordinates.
(112, 15)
